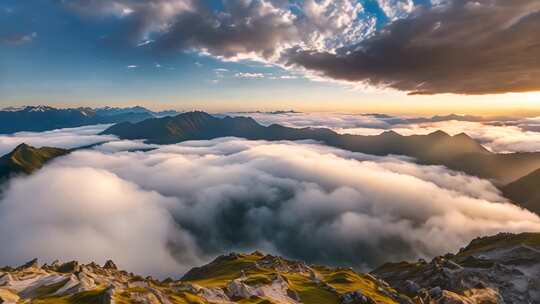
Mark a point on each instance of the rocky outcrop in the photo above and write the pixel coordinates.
(110, 265)
(501, 269)
(30, 264)
(356, 297)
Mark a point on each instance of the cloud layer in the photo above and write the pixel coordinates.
(61, 138)
(165, 210)
(454, 46)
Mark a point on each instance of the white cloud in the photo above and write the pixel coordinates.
(88, 214)
(61, 138)
(249, 75)
(145, 42)
(395, 9)
(301, 200)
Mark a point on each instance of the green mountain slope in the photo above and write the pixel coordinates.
(27, 159)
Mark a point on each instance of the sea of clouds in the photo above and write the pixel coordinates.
(161, 210)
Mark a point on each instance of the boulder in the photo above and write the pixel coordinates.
(236, 289)
(69, 267)
(110, 265)
(30, 264)
(356, 297)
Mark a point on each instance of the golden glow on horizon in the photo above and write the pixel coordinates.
(330, 100)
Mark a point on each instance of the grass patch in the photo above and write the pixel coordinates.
(185, 298)
(345, 280)
(309, 291)
(219, 273)
(258, 279)
(254, 300)
(499, 241)
(85, 297)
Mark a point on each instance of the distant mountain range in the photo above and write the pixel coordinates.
(490, 270)
(43, 118)
(459, 152)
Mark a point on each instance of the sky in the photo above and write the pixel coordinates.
(390, 56)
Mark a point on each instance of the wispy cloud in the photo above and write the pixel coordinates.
(18, 39)
(145, 42)
(249, 75)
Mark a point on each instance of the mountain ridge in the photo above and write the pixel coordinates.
(488, 270)
(459, 152)
(43, 118)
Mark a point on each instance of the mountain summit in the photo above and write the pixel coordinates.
(186, 126)
(27, 159)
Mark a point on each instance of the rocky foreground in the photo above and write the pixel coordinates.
(499, 269)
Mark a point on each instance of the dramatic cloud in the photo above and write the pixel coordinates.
(462, 46)
(455, 46)
(195, 200)
(61, 138)
(248, 29)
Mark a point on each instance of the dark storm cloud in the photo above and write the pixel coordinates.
(464, 47)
